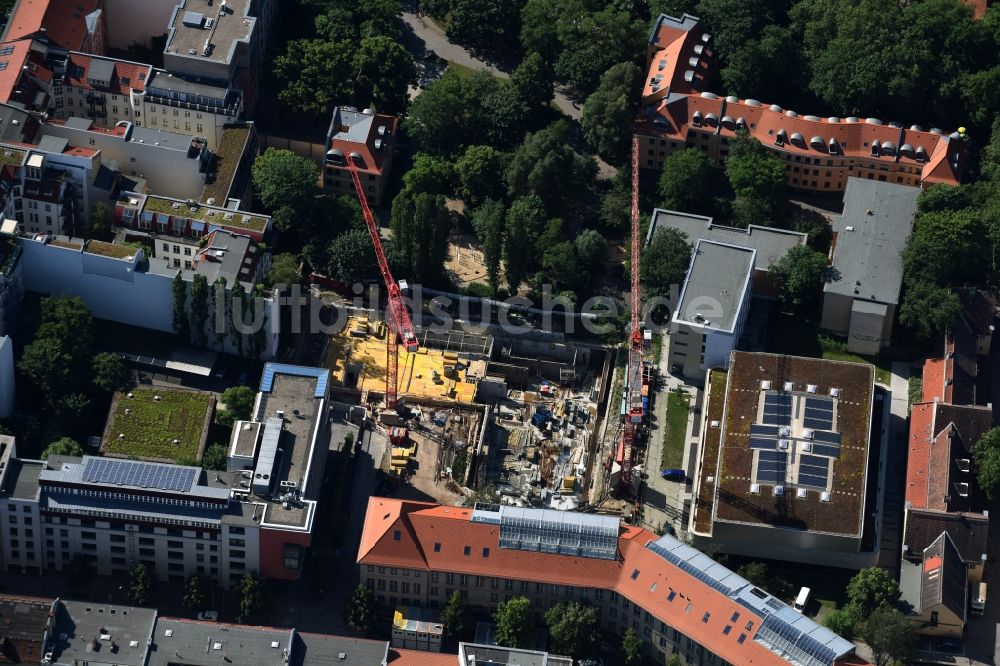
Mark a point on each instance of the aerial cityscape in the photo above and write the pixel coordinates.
(499, 332)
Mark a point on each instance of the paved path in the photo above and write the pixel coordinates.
(425, 34)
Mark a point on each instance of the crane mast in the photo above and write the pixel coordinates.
(633, 376)
(396, 316)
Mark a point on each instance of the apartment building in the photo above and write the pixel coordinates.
(182, 521)
(677, 599)
(188, 219)
(189, 106)
(797, 480)
(105, 90)
(820, 154)
(714, 304)
(367, 140)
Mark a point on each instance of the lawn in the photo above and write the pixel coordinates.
(461, 70)
(169, 429)
(797, 336)
(673, 441)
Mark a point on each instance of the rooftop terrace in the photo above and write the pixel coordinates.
(203, 213)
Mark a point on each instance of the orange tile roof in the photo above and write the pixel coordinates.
(663, 114)
(64, 21)
(78, 65)
(419, 535)
(17, 59)
(933, 380)
(374, 159)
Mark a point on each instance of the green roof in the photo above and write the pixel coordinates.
(201, 212)
(11, 155)
(110, 249)
(170, 428)
(227, 156)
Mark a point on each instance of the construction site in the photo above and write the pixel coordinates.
(475, 410)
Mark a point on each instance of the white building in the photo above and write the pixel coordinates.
(709, 318)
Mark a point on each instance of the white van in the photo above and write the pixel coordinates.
(803, 599)
(979, 602)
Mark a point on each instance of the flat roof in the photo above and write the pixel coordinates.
(190, 29)
(162, 80)
(716, 284)
(187, 483)
(330, 650)
(209, 643)
(771, 244)
(20, 481)
(871, 234)
(93, 630)
(496, 655)
(739, 464)
(158, 423)
(228, 154)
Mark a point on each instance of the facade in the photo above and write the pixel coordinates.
(181, 521)
(714, 303)
(795, 480)
(105, 90)
(820, 154)
(189, 106)
(677, 599)
(367, 139)
(862, 292)
(11, 277)
(6, 377)
(769, 243)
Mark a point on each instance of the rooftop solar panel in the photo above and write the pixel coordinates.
(139, 474)
(812, 480)
(826, 450)
(816, 424)
(763, 442)
(760, 429)
(819, 413)
(825, 404)
(827, 437)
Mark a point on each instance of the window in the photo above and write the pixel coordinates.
(486, 552)
(187, 253)
(467, 550)
(396, 535)
(437, 547)
(494, 597)
(479, 581)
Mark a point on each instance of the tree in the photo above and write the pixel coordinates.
(314, 74)
(675, 661)
(593, 42)
(384, 72)
(78, 574)
(546, 165)
(631, 648)
(609, 111)
(986, 453)
(589, 246)
(890, 635)
(928, 309)
(616, 204)
(194, 594)
(59, 359)
(480, 174)
(573, 629)
(525, 223)
(100, 220)
(215, 457)
(109, 371)
(483, 22)
(253, 599)
(946, 248)
(842, 621)
(140, 585)
(755, 573)
(533, 80)
(420, 226)
(758, 178)
(429, 174)
(665, 262)
(352, 256)
(48, 365)
(360, 608)
(872, 588)
(199, 308)
(444, 116)
(488, 223)
(798, 274)
(685, 181)
(561, 267)
(284, 270)
(453, 615)
(181, 326)
(282, 179)
(239, 400)
(515, 623)
(64, 446)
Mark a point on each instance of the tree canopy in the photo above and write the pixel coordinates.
(685, 181)
(515, 622)
(420, 226)
(488, 223)
(664, 262)
(986, 453)
(609, 111)
(453, 615)
(283, 181)
(64, 446)
(360, 608)
(798, 275)
(284, 270)
(546, 165)
(573, 629)
(891, 636)
(871, 589)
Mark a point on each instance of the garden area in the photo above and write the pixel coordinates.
(165, 425)
(672, 456)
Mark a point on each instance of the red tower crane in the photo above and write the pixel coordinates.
(396, 316)
(633, 376)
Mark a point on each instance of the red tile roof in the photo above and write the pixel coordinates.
(127, 76)
(933, 380)
(373, 159)
(419, 535)
(670, 102)
(64, 21)
(12, 83)
(401, 657)
(940, 434)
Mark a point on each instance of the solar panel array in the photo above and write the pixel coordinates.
(139, 474)
(819, 414)
(777, 409)
(814, 471)
(763, 436)
(772, 467)
(699, 565)
(780, 633)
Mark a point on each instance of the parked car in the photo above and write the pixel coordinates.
(673, 474)
(212, 616)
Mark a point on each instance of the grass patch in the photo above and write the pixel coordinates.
(796, 336)
(916, 389)
(150, 426)
(672, 456)
(462, 71)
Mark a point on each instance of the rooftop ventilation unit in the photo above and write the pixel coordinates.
(835, 392)
(779, 491)
(709, 479)
(873, 121)
(852, 119)
(732, 99)
(833, 120)
(752, 102)
(811, 388)
(784, 431)
(801, 493)
(807, 447)
(824, 496)
(783, 444)
(789, 386)
(776, 108)
(808, 433)
(791, 114)
(693, 62)
(755, 488)
(714, 424)
(765, 385)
